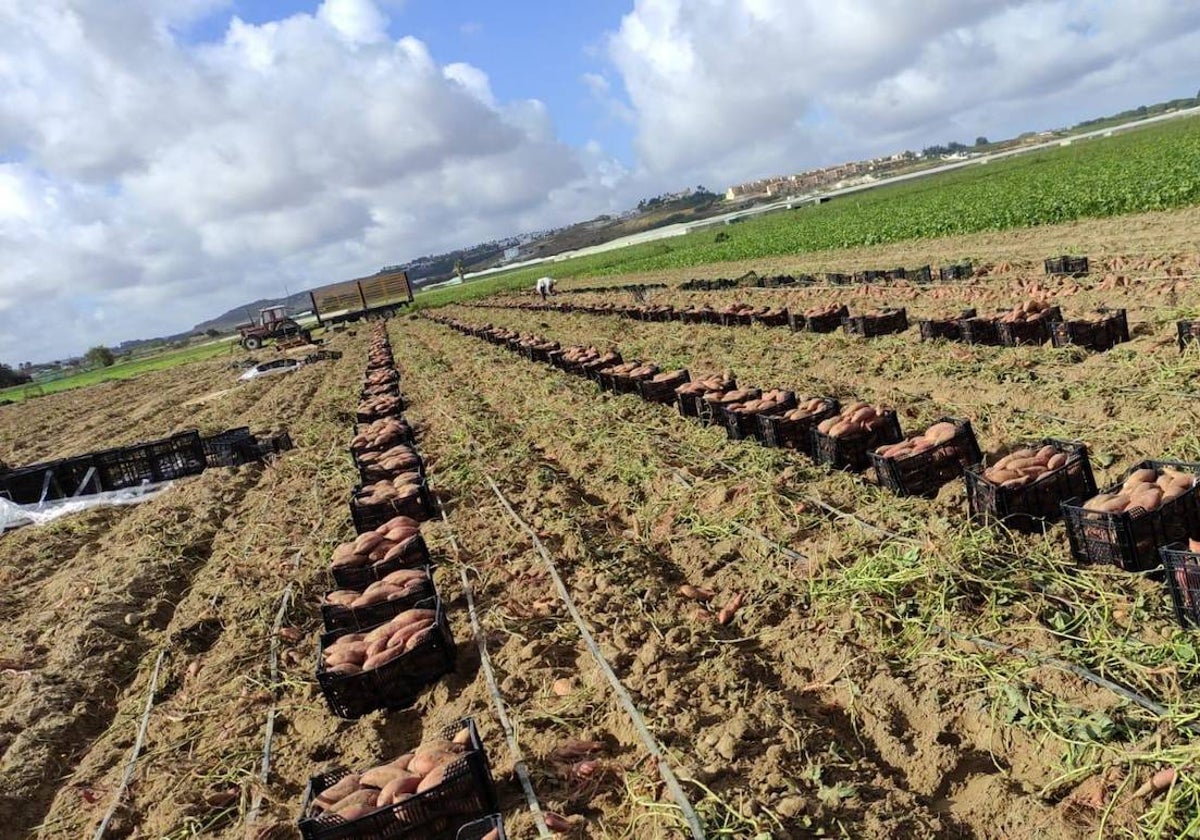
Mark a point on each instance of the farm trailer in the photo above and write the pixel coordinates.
(380, 295)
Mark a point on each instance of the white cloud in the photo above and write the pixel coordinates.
(147, 183)
(734, 89)
(157, 183)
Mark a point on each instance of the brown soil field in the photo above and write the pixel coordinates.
(842, 700)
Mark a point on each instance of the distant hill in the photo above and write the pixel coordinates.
(248, 312)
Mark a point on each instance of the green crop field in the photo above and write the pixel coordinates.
(1152, 168)
(120, 370)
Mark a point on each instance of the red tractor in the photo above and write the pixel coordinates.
(273, 324)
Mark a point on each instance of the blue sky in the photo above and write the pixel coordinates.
(529, 49)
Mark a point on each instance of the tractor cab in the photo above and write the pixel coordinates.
(273, 324)
(271, 315)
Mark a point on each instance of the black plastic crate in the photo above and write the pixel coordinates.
(229, 448)
(396, 684)
(713, 414)
(779, 433)
(949, 329)
(51, 480)
(1128, 541)
(958, 271)
(468, 792)
(774, 319)
(274, 443)
(826, 323)
(1102, 335)
(490, 827)
(1187, 332)
(1037, 331)
(741, 426)
(736, 319)
(869, 326)
(368, 517)
(664, 391)
(414, 556)
(159, 460)
(851, 452)
(924, 274)
(625, 384)
(1075, 266)
(980, 331)
(1183, 581)
(351, 619)
(836, 278)
(1031, 508)
(924, 474)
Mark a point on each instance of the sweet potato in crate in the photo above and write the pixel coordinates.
(772, 317)
(371, 505)
(359, 672)
(626, 381)
(741, 418)
(365, 559)
(825, 319)
(710, 405)
(1027, 324)
(843, 442)
(1154, 506)
(1099, 334)
(920, 466)
(379, 601)
(1181, 561)
(1033, 499)
(688, 395)
(660, 388)
(465, 792)
(872, 324)
(794, 429)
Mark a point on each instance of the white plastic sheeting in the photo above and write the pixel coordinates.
(13, 515)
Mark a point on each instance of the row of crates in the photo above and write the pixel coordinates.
(1136, 540)
(122, 467)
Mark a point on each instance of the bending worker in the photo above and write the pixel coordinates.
(545, 286)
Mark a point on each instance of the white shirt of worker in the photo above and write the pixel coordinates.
(544, 285)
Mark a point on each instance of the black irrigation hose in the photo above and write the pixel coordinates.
(133, 753)
(639, 723)
(485, 663)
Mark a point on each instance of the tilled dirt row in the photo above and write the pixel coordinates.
(198, 571)
(867, 749)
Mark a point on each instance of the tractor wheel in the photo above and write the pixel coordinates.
(252, 342)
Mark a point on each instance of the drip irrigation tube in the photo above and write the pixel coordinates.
(489, 675)
(648, 740)
(137, 748)
(269, 732)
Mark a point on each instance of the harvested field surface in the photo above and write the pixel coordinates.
(866, 665)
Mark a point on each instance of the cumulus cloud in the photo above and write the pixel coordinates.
(734, 89)
(147, 184)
